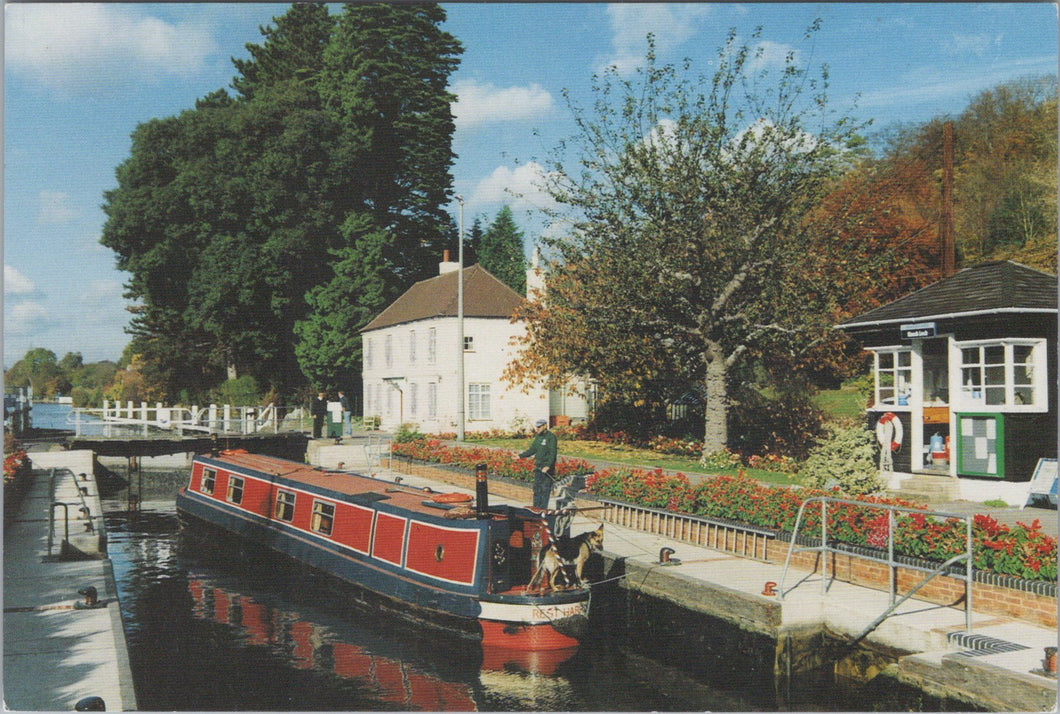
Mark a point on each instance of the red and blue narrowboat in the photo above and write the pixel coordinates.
(434, 557)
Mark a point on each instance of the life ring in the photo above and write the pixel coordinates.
(889, 431)
(451, 498)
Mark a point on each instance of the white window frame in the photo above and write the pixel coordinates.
(319, 514)
(412, 347)
(432, 400)
(413, 398)
(973, 396)
(895, 355)
(388, 348)
(478, 401)
(208, 482)
(236, 487)
(368, 352)
(469, 343)
(432, 345)
(285, 503)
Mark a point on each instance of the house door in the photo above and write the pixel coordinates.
(935, 401)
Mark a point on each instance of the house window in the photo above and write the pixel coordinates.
(368, 353)
(389, 401)
(478, 401)
(284, 510)
(323, 517)
(469, 343)
(389, 350)
(209, 480)
(432, 344)
(412, 347)
(413, 394)
(894, 377)
(235, 490)
(1002, 374)
(432, 401)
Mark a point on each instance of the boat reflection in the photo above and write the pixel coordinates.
(501, 678)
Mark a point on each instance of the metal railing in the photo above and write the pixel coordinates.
(824, 548)
(740, 539)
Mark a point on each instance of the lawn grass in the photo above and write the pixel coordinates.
(622, 455)
(843, 403)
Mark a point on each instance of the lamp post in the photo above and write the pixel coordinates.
(460, 323)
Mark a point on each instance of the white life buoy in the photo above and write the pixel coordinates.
(889, 431)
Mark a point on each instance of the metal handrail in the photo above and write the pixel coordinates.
(824, 548)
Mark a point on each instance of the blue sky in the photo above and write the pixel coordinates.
(78, 78)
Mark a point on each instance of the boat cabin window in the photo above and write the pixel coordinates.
(323, 517)
(284, 510)
(235, 489)
(209, 479)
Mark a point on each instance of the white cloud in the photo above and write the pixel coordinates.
(55, 208)
(66, 45)
(24, 318)
(671, 25)
(15, 283)
(979, 44)
(479, 103)
(521, 187)
(768, 54)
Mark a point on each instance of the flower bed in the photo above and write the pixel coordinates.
(1021, 551)
(500, 462)
(17, 470)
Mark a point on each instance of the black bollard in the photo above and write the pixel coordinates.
(482, 495)
(91, 704)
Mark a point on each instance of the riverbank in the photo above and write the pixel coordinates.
(56, 652)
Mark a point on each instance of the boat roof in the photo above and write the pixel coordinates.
(353, 487)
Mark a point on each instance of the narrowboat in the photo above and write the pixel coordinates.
(436, 558)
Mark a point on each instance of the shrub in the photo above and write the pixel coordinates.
(406, 433)
(847, 459)
(240, 392)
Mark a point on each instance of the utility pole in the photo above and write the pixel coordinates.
(947, 248)
(460, 323)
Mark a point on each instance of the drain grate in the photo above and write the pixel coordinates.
(979, 645)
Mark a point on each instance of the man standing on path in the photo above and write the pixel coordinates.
(543, 449)
(345, 403)
(319, 410)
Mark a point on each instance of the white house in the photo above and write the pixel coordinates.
(410, 366)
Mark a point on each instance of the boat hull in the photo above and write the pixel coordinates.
(509, 619)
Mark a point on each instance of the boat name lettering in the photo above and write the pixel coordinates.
(555, 612)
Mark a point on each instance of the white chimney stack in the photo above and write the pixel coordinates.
(535, 277)
(447, 266)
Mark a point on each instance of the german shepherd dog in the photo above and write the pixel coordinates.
(565, 558)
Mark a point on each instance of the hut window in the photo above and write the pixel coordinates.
(284, 510)
(1002, 374)
(894, 377)
(235, 489)
(209, 479)
(323, 517)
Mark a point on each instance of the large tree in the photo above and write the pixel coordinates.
(688, 202)
(500, 251)
(227, 216)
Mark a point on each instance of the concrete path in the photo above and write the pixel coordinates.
(55, 654)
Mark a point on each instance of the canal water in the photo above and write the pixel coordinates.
(216, 629)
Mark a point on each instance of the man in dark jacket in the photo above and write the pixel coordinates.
(543, 449)
(319, 410)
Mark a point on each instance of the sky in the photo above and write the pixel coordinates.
(79, 78)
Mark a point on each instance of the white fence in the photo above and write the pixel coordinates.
(212, 419)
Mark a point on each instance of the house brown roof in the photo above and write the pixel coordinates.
(484, 296)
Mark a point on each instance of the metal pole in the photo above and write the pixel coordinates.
(824, 547)
(460, 324)
(890, 554)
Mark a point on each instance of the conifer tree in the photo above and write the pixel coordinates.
(500, 251)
